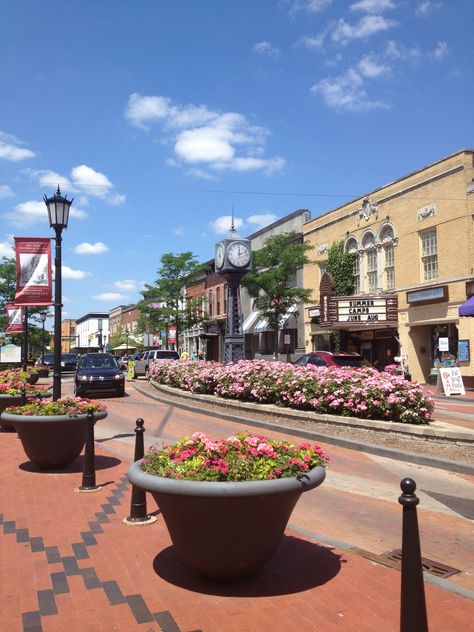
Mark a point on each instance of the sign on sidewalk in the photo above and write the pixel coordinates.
(450, 381)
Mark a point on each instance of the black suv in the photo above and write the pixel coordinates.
(99, 372)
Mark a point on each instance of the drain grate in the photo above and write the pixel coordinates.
(430, 566)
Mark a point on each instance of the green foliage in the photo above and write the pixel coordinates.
(340, 265)
(244, 457)
(272, 280)
(169, 288)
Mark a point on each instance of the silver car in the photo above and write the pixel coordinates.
(142, 365)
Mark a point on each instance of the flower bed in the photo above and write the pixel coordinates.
(245, 457)
(364, 393)
(14, 381)
(71, 406)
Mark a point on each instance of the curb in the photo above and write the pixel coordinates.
(392, 453)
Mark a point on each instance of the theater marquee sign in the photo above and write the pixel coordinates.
(356, 312)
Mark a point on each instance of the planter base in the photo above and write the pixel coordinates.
(225, 531)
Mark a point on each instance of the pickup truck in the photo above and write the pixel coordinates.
(141, 365)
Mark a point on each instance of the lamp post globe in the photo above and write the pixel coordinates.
(58, 213)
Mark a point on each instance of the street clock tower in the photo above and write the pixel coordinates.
(233, 259)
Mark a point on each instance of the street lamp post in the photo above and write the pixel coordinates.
(58, 214)
(43, 319)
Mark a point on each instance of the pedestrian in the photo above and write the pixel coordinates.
(184, 355)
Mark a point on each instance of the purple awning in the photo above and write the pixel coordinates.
(467, 308)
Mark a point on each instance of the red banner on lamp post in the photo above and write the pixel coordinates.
(14, 318)
(172, 335)
(33, 271)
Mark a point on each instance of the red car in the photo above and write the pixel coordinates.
(333, 358)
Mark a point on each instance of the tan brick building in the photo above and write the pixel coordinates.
(414, 242)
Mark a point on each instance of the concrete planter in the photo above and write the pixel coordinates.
(13, 400)
(51, 442)
(225, 531)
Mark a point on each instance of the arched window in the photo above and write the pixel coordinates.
(387, 239)
(368, 244)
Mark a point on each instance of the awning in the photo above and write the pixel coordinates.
(262, 325)
(249, 321)
(467, 308)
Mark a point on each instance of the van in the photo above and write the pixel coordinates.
(142, 365)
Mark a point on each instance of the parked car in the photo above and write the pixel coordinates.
(99, 372)
(123, 362)
(68, 361)
(333, 358)
(142, 365)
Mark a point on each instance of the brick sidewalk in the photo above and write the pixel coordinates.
(69, 563)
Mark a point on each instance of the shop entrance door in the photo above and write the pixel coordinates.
(366, 350)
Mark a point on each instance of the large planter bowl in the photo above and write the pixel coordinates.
(225, 531)
(51, 442)
(33, 378)
(13, 400)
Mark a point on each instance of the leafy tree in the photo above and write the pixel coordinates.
(175, 274)
(7, 295)
(340, 265)
(272, 280)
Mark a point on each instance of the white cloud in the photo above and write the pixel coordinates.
(440, 51)
(373, 6)
(267, 49)
(146, 109)
(313, 42)
(426, 7)
(129, 285)
(11, 148)
(91, 249)
(221, 225)
(109, 296)
(262, 220)
(369, 67)
(7, 249)
(308, 6)
(69, 273)
(399, 52)
(48, 178)
(6, 191)
(83, 180)
(209, 141)
(346, 92)
(33, 212)
(367, 26)
(179, 231)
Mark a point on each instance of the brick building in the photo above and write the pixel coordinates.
(413, 241)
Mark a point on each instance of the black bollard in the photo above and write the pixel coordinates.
(413, 617)
(88, 472)
(138, 511)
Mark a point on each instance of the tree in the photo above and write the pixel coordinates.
(7, 295)
(272, 280)
(174, 276)
(341, 266)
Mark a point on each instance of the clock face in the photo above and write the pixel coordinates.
(219, 258)
(238, 254)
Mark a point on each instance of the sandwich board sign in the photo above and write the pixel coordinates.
(450, 381)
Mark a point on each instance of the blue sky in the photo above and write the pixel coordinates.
(160, 117)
